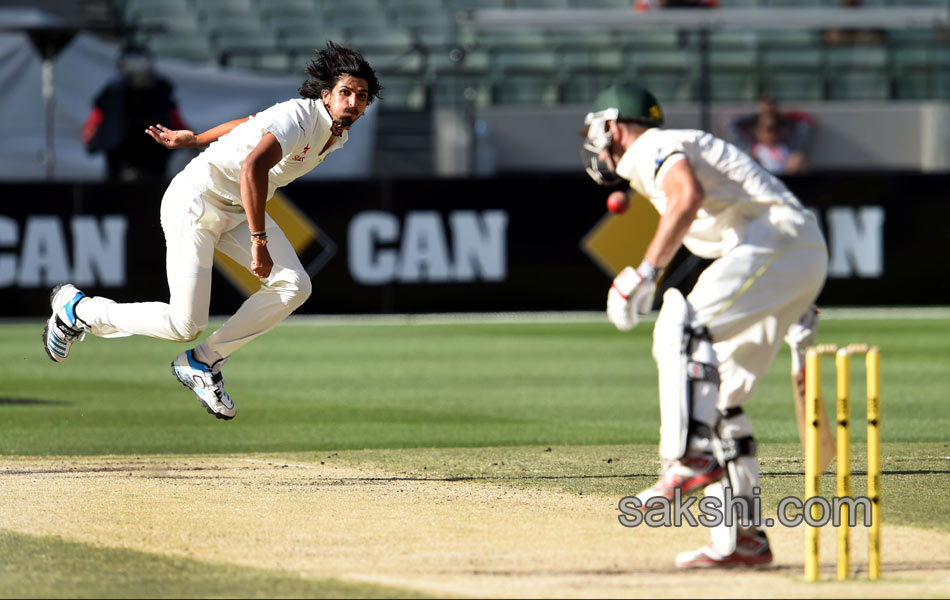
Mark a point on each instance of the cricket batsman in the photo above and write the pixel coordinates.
(217, 203)
(714, 345)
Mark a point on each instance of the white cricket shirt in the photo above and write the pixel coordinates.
(301, 126)
(743, 202)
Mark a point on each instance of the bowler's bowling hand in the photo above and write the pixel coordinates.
(172, 138)
(261, 263)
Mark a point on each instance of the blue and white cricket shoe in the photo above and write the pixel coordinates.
(64, 326)
(206, 382)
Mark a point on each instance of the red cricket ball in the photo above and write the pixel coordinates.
(618, 202)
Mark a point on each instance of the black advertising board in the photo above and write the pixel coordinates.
(515, 243)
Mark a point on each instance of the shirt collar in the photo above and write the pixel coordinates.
(327, 122)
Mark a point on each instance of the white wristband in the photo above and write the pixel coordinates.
(648, 270)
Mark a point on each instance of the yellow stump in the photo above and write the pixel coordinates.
(812, 474)
(843, 468)
(873, 362)
(813, 417)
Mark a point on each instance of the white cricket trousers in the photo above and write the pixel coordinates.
(194, 228)
(749, 297)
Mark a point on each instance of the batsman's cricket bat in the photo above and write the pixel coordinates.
(826, 443)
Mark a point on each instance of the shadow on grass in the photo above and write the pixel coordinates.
(32, 402)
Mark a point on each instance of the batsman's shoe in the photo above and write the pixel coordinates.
(685, 474)
(206, 382)
(64, 326)
(751, 550)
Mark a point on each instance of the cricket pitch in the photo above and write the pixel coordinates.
(441, 535)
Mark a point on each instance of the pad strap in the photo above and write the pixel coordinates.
(733, 449)
(698, 371)
(700, 429)
(731, 412)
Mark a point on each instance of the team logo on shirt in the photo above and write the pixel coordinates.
(300, 157)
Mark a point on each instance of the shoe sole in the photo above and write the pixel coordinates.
(46, 345)
(203, 404)
(52, 295)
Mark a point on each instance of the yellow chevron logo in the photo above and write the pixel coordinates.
(620, 240)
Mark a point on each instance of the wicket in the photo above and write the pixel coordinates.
(813, 418)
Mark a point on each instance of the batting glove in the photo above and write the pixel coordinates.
(801, 335)
(631, 295)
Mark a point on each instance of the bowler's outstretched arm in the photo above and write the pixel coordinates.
(184, 138)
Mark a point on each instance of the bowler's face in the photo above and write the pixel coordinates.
(346, 101)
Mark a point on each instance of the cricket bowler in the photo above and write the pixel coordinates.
(217, 203)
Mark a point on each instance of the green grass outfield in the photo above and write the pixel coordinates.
(40, 567)
(368, 388)
(313, 384)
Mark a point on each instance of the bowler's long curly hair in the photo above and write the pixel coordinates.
(332, 62)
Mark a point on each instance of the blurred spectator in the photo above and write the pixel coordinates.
(775, 154)
(121, 114)
(777, 139)
(836, 37)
